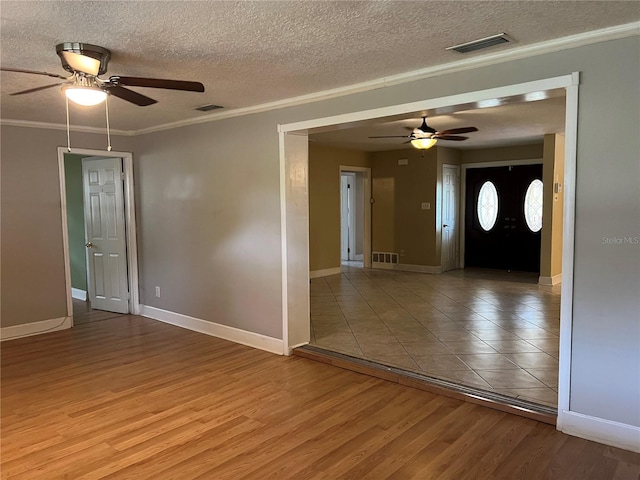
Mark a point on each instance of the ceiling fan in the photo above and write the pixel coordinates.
(425, 137)
(86, 62)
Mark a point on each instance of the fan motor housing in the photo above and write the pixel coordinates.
(93, 51)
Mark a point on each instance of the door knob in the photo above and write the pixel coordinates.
(88, 245)
(445, 226)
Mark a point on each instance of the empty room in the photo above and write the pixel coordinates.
(290, 239)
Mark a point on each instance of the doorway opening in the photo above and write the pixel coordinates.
(498, 234)
(348, 217)
(99, 236)
(290, 159)
(355, 216)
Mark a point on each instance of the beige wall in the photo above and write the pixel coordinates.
(324, 201)
(551, 241)
(498, 154)
(360, 212)
(449, 156)
(557, 227)
(399, 224)
(33, 276)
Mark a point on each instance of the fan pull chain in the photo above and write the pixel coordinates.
(106, 103)
(68, 135)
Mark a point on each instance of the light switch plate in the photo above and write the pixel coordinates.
(426, 206)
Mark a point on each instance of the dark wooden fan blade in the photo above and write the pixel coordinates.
(33, 72)
(455, 131)
(157, 83)
(130, 96)
(37, 89)
(450, 137)
(391, 136)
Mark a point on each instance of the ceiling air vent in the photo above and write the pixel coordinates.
(480, 43)
(208, 108)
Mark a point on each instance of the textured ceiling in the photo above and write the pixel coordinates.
(510, 124)
(249, 53)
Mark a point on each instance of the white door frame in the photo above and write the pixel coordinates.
(292, 198)
(457, 212)
(463, 190)
(366, 241)
(129, 220)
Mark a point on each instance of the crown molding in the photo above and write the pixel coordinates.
(550, 46)
(59, 126)
(564, 43)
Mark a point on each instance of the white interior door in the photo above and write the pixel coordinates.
(347, 216)
(450, 196)
(105, 234)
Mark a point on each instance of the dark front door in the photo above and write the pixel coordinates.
(497, 234)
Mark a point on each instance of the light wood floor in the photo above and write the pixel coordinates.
(131, 398)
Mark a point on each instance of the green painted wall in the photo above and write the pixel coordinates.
(75, 219)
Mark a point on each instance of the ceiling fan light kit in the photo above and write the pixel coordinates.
(423, 143)
(85, 62)
(85, 91)
(83, 57)
(85, 96)
(425, 137)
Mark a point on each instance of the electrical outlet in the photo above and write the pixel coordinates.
(402, 253)
(157, 291)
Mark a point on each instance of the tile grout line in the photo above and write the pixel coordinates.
(396, 284)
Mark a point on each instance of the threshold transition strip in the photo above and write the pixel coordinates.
(493, 400)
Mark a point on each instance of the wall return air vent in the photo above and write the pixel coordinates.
(480, 43)
(384, 257)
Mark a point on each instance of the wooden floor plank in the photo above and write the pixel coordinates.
(127, 397)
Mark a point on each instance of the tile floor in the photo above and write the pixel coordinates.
(496, 331)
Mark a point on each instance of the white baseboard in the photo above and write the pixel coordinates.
(600, 430)
(405, 267)
(325, 273)
(35, 328)
(555, 280)
(79, 294)
(251, 339)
